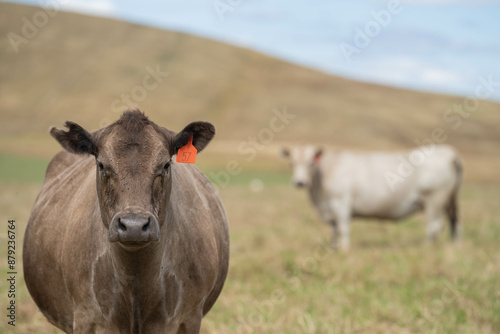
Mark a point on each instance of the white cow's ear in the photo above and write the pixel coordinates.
(202, 133)
(318, 154)
(285, 152)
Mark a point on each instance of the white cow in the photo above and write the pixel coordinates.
(384, 185)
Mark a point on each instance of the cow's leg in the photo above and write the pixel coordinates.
(434, 225)
(342, 212)
(189, 328)
(434, 210)
(84, 322)
(192, 323)
(452, 212)
(87, 319)
(344, 231)
(335, 234)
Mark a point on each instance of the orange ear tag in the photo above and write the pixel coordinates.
(187, 153)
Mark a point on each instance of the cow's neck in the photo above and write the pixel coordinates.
(144, 263)
(140, 284)
(316, 187)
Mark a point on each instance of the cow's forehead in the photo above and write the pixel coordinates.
(302, 154)
(145, 143)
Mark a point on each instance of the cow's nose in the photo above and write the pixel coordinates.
(133, 227)
(300, 184)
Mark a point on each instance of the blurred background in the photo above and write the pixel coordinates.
(361, 75)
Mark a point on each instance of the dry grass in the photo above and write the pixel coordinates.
(15, 203)
(285, 279)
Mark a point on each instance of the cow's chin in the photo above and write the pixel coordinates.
(133, 246)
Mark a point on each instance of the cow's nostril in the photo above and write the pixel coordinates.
(121, 226)
(146, 226)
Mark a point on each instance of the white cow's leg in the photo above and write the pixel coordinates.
(335, 234)
(344, 231)
(341, 208)
(434, 221)
(435, 207)
(452, 213)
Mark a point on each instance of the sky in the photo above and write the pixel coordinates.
(440, 46)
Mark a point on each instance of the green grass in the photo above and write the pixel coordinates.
(18, 169)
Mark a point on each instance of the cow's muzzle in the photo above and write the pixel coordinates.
(300, 184)
(132, 227)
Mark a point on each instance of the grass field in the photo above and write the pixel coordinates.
(285, 279)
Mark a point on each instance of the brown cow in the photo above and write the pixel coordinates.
(122, 239)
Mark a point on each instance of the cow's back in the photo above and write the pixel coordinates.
(440, 169)
(388, 185)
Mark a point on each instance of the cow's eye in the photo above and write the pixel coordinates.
(101, 167)
(166, 168)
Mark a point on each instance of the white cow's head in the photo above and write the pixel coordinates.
(303, 160)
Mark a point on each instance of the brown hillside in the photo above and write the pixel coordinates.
(76, 66)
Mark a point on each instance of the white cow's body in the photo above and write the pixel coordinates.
(386, 185)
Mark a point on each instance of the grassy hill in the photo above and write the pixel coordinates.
(77, 67)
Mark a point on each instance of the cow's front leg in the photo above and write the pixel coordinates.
(85, 322)
(335, 234)
(191, 324)
(342, 212)
(434, 205)
(344, 233)
(434, 222)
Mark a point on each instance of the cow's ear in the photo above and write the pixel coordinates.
(318, 154)
(75, 140)
(202, 133)
(285, 152)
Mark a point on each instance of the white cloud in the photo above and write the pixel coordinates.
(438, 76)
(91, 7)
(413, 73)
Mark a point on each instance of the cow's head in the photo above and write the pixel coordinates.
(303, 160)
(134, 171)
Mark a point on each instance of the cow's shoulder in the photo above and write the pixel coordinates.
(190, 179)
(61, 163)
(448, 150)
(440, 155)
